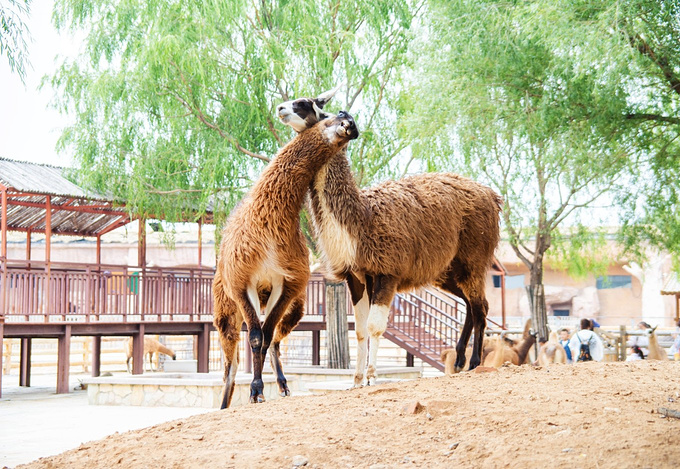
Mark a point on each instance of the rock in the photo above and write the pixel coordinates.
(616, 410)
(485, 369)
(454, 445)
(429, 417)
(567, 450)
(412, 407)
(299, 461)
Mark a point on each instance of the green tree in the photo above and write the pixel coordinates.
(174, 101)
(13, 34)
(513, 109)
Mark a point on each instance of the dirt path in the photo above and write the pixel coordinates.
(591, 415)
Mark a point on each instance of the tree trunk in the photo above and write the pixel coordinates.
(539, 313)
(337, 337)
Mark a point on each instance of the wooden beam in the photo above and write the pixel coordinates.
(64, 361)
(95, 209)
(3, 253)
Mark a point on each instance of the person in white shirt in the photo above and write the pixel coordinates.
(586, 337)
(641, 341)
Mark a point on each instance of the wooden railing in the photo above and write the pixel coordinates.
(109, 293)
(428, 320)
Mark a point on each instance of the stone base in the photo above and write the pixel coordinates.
(205, 389)
(172, 390)
(180, 366)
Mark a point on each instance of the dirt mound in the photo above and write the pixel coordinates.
(590, 415)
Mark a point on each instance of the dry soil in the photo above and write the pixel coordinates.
(589, 415)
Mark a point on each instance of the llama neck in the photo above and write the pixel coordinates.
(338, 212)
(523, 348)
(287, 177)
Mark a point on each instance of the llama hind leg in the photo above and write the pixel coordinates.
(450, 284)
(384, 288)
(288, 322)
(229, 327)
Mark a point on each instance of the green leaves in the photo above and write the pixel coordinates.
(175, 101)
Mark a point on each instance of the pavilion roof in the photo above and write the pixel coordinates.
(672, 285)
(75, 210)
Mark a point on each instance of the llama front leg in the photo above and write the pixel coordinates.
(361, 310)
(384, 288)
(361, 301)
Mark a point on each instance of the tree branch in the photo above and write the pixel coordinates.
(645, 49)
(653, 117)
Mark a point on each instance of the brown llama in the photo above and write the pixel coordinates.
(552, 351)
(264, 250)
(656, 351)
(151, 346)
(517, 353)
(436, 228)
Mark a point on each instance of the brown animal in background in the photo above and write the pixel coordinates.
(517, 354)
(435, 228)
(552, 351)
(151, 346)
(263, 248)
(656, 351)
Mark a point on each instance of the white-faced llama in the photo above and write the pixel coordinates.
(263, 255)
(436, 228)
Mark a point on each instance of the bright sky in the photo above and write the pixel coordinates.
(29, 129)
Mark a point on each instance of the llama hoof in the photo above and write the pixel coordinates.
(285, 393)
(257, 399)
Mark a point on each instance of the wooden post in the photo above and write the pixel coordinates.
(624, 339)
(141, 243)
(48, 253)
(3, 224)
(25, 362)
(3, 253)
(99, 249)
(503, 325)
(64, 361)
(200, 243)
(203, 354)
(316, 347)
(28, 245)
(96, 355)
(2, 350)
(337, 335)
(138, 351)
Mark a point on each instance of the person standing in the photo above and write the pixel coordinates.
(586, 345)
(564, 342)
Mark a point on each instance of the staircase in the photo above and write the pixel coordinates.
(425, 322)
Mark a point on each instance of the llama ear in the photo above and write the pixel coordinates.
(323, 98)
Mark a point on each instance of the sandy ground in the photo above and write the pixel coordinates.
(590, 415)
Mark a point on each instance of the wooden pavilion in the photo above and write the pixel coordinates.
(672, 287)
(42, 298)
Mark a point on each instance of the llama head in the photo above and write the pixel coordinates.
(339, 130)
(303, 113)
